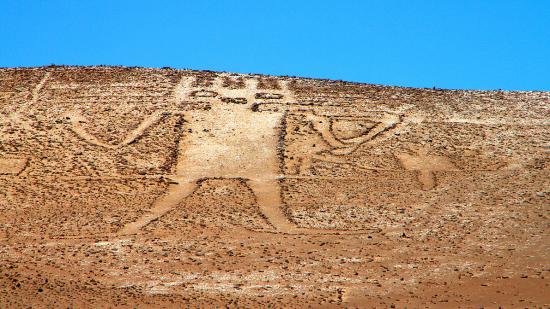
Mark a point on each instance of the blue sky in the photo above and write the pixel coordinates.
(481, 44)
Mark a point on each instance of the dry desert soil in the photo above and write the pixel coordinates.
(167, 188)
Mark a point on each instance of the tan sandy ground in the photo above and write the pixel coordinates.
(130, 186)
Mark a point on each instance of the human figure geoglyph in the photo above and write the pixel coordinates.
(230, 140)
(235, 140)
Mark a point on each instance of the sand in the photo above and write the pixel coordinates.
(160, 187)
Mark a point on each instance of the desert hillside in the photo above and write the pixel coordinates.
(126, 186)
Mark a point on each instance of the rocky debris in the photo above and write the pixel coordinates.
(445, 207)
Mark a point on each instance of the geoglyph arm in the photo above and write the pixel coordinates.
(75, 118)
(322, 125)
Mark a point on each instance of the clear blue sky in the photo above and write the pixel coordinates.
(472, 44)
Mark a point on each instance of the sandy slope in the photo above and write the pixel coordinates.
(130, 186)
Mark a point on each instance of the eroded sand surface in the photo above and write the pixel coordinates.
(126, 186)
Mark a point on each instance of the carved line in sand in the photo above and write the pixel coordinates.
(75, 119)
(222, 89)
(16, 166)
(416, 159)
(419, 159)
(376, 131)
(268, 200)
(16, 116)
(339, 147)
(265, 185)
(425, 165)
(267, 189)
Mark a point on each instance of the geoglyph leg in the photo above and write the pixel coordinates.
(170, 200)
